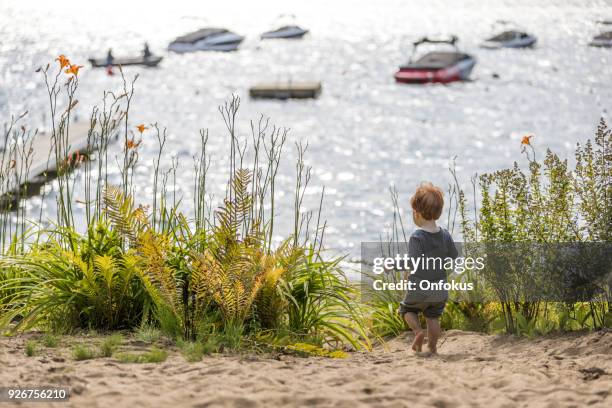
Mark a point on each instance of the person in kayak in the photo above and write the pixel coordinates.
(146, 52)
(109, 57)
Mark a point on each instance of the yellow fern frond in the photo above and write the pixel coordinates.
(129, 222)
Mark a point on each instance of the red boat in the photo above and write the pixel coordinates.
(437, 66)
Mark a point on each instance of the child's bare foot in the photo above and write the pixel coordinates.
(417, 344)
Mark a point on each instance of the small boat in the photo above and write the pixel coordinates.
(437, 66)
(510, 39)
(151, 61)
(602, 40)
(207, 39)
(288, 31)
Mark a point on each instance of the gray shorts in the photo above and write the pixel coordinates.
(431, 310)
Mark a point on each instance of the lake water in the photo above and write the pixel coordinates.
(365, 131)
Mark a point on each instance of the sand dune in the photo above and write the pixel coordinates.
(475, 370)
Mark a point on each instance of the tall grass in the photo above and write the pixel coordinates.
(15, 164)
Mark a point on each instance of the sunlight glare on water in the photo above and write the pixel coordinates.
(365, 132)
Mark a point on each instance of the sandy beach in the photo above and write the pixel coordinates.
(476, 370)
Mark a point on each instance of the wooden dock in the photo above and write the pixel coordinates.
(42, 164)
(286, 90)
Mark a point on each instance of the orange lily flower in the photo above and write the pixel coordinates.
(73, 69)
(63, 61)
(141, 128)
(132, 145)
(526, 140)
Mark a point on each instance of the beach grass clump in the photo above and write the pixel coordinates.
(155, 355)
(192, 351)
(31, 348)
(210, 345)
(82, 352)
(147, 333)
(110, 344)
(50, 341)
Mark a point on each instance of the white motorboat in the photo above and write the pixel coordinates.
(288, 31)
(510, 39)
(207, 39)
(602, 40)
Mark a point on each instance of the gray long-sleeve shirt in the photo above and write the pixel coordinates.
(434, 249)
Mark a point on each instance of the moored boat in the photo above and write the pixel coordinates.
(602, 40)
(286, 90)
(151, 61)
(510, 39)
(436, 66)
(288, 31)
(207, 39)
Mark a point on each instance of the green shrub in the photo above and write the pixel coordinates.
(548, 204)
(77, 287)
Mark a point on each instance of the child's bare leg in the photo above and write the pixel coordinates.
(419, 335)
(433, 333)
